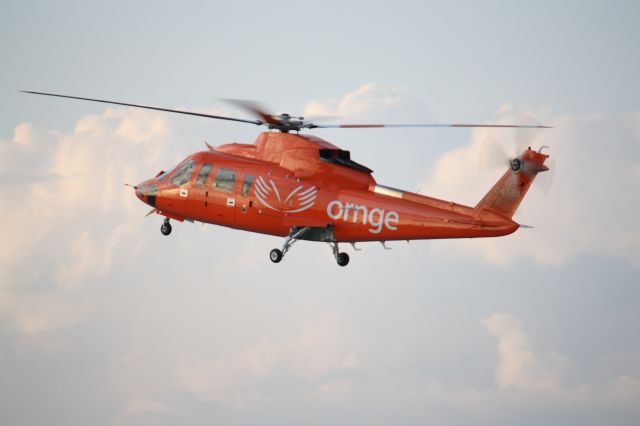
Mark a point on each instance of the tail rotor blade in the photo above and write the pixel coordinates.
(500, 146)
(493, 154)
(524, 136)
(544, 181)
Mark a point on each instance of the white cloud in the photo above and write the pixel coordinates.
(518, 365)
(320, 348)
(521, 367)
(23, 134)
(225, 377)
(41, 313)
(588, 209)
(311, 353)
(338, 389)
(90, 256)
(51, 218)
(369, 101)
(144, 405)
(634, 123)
(138, 408)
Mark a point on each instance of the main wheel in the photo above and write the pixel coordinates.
(165, 228)
(275, 255)
(343, 259)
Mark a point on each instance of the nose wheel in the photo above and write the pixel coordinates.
(166, 227)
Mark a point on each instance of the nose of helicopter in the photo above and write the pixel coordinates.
(146, 192)
(140, 191)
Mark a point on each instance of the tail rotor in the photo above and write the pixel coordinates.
(500, 148)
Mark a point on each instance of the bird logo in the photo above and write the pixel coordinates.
(300, 198)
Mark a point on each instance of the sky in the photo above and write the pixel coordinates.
(105, 321)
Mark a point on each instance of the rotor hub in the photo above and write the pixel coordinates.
(515, 164)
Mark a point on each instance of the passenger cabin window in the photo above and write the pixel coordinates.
(225, 180)
(203, 175)
(246, 186)
(183, 174)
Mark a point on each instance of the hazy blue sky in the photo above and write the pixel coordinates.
(105, 321)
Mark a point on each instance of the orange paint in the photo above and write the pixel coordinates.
(303, 187)
(286, 181)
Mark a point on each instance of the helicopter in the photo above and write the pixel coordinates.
(300, 187)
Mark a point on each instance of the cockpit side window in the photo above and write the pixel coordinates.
(183, 174)
(203, 175)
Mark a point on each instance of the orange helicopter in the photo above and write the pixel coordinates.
(302, 187)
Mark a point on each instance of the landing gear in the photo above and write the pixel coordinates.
(275, 255)
(166, 227)
(341, 258)
(296, 234)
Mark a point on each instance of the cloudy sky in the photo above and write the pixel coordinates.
(105, 321)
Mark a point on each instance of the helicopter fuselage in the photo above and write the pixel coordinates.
(285, 182)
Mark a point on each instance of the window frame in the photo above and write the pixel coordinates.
(181, 172)
(226, 188)
(247, 184)
(201, 180)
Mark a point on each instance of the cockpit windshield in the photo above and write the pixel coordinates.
(183, 173)
(162, 176)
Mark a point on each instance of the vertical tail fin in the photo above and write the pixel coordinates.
(507, 194)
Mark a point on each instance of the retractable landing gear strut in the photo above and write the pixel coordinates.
(276, 255)
(166, 227)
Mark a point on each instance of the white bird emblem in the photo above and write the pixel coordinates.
(298, 200)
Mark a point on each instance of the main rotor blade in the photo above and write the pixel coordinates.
(365, 126)
(198, 114)
(254, 108)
